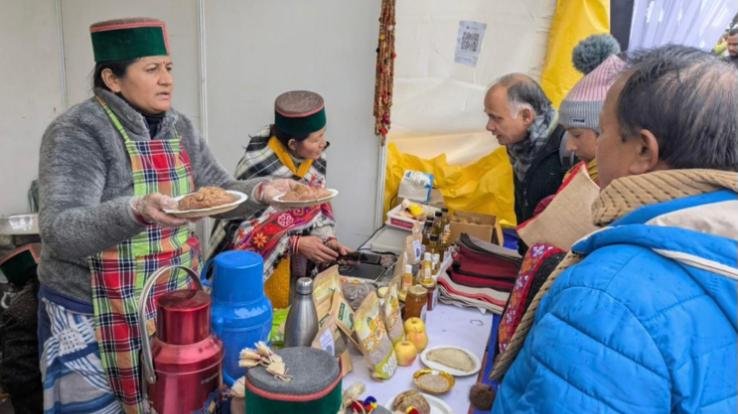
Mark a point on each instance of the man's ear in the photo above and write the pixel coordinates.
(292, 144)
(646, 148)
(110, 80)
(528, 116)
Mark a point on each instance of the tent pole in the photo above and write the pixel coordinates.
(379, 192)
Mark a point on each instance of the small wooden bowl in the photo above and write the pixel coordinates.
(433, 381)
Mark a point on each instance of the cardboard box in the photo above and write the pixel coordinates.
(481, 226)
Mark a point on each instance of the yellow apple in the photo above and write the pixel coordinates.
(414, 325)
(406, 353)
(415, 333)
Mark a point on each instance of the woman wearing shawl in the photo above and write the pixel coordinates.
(291, 149)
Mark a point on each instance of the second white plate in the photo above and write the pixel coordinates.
(210, 211)
(303, 203)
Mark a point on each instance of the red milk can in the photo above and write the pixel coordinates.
(182, 363)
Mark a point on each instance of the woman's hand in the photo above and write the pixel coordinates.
(315, 250)
(151, 207)
(334, 244)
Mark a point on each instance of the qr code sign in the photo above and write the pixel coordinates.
(470, 42)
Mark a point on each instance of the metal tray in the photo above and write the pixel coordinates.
(367, 265)
(19, 224)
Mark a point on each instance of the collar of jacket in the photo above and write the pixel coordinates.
(133, 121)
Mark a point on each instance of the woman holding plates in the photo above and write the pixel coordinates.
(291, 148)
(109, 168)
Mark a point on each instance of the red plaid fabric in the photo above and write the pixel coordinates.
(119, 273)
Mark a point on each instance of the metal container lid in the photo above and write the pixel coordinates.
(418, 290)
(304, 286)
(183, 316)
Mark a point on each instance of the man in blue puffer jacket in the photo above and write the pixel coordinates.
(643, 317)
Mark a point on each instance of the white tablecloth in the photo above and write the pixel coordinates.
(446, 325)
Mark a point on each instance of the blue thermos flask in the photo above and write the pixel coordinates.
(241, 313)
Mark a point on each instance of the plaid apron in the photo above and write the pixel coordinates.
(119, 272)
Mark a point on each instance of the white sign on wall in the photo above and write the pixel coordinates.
(469, 42)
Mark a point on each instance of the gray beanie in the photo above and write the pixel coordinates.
(582, 106)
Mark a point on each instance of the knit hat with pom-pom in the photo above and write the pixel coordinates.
(582, 105)
(590, 52)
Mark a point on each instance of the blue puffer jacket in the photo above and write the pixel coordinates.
(645, 323)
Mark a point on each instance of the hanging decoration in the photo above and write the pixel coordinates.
(385, 70)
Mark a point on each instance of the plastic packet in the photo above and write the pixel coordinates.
(355, 291)
(374, 342)
(391, 315)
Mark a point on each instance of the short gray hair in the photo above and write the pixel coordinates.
(523, 92)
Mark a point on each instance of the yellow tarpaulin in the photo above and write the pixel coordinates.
(573, 21)
(485, 186)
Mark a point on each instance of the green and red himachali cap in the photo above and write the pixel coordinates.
(299, 113)
(127, 39)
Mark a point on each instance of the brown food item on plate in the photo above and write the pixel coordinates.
(205, 197)
(434, 383)
(411, 398)
(305, 193)
(452, 358)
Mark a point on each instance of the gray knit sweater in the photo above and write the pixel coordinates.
(85, 186)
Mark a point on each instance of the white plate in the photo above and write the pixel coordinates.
(452, 371)
(437, 405)
(277, 202)
(210, 211)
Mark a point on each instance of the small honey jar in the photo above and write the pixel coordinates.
(415, 303)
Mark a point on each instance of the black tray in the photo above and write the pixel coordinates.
(366, 265)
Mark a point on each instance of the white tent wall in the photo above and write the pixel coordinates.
(697, 23)
(258, 49)
(30, 95)
(438, 104)
(231, 59)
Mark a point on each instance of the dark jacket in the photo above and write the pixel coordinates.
(19, 366)
(543, 177)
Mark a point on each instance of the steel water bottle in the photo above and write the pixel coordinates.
(302, 320)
